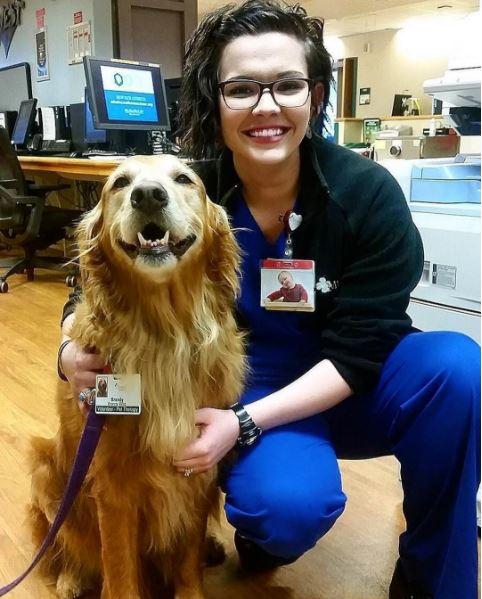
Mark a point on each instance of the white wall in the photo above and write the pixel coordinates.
(67, 82)
(399, 61)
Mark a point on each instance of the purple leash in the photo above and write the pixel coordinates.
(85, 452)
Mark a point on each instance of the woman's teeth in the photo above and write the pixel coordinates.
(148, 243)
(265, 132)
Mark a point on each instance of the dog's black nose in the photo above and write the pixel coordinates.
(149, 197)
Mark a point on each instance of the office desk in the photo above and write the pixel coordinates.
(78, 169)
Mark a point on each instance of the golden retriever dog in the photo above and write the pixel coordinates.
(159, 277)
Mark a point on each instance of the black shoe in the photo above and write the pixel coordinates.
(400, 588)
(253, 558)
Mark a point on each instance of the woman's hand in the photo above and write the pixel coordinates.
(80, 367)
(219, 430)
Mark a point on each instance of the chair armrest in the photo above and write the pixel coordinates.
(9, 183)
(41, 188)
(35, 201)
(25, 200)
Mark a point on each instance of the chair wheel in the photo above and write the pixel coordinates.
(3, 287)
(71, 281)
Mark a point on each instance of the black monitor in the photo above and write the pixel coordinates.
(24, 123)
(92, 135)
(126, 95)
(173, 90)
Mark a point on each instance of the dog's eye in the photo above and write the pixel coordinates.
(183, 179)
(121, 182)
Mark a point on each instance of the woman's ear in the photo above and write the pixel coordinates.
(317, 96)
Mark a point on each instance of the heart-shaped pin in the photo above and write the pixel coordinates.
(294, 221)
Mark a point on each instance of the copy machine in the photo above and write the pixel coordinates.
(444, 198)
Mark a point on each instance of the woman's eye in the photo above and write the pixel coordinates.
(121, 182)
(240, 91)
(183, 180)
(287, 87)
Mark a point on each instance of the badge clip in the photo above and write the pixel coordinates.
(291, 222)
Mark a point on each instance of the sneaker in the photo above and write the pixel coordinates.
(253, 558)
(401, 589)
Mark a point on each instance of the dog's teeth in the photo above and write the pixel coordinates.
(165, 239)
(142, 241)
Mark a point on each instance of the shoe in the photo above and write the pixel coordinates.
(401, 589)
(254, 559)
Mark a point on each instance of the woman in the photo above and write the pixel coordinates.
(353, 379)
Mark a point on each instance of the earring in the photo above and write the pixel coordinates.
(309, 132)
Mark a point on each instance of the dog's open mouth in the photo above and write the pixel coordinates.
(156, 243)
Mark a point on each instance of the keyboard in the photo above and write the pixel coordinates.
(108, 158)
(39, 153)
(106, 153)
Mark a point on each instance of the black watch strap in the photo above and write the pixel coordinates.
(60, 372)
(248, 429)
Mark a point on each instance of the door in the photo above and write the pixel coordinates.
(156, 31)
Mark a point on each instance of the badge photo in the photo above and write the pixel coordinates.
(118, 394)
(288, 285)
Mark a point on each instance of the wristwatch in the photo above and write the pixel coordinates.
(248, 429)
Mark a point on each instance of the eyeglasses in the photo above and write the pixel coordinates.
(240, 94)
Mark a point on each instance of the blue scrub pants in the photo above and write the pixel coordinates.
(284, 493)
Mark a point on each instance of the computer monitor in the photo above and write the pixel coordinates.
(126, 95)
(24, 123)
(173, 90)
(92, 135)
(7, 120)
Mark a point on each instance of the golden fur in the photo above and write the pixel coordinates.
(172, 323)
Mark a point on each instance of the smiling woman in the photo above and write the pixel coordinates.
(352, 378)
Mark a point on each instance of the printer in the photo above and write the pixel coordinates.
(443, 195)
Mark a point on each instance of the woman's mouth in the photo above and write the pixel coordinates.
(266, 135)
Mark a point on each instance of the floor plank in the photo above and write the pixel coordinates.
(354, 561)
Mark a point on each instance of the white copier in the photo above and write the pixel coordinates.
(444, 198)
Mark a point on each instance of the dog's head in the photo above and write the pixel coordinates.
(153, 210)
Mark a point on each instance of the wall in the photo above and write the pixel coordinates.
(399, 61)
(67, 82)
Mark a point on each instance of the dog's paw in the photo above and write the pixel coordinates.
(69, 586)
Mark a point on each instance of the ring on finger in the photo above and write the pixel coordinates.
(87, 396)
(188, 471)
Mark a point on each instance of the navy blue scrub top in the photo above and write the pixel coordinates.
(281, 345)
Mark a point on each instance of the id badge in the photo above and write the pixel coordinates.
(118, 394)
(288, 285)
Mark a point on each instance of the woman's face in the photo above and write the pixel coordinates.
(266, 134)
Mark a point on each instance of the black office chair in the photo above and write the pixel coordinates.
(25, 220)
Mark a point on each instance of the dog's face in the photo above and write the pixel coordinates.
(153, 209)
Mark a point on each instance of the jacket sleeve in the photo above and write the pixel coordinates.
(369, 315)
(69, 307)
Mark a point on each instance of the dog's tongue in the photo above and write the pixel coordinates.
(147, 243)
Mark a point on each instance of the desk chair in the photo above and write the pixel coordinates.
(25, 220)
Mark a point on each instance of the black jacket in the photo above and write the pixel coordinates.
(368, 253)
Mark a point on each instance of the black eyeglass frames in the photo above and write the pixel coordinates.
(240, 94)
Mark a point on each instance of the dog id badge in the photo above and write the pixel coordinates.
(118, 394)
(288, 285)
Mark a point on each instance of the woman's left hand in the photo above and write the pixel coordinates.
(219, 430)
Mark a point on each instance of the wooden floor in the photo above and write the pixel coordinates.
(354, 561)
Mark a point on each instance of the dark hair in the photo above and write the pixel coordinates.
(199, 110)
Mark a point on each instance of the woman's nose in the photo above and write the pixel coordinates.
(266, 104)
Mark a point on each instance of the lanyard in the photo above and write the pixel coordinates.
(291, 221)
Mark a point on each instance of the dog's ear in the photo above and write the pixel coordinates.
(87, 234)
(224, 255)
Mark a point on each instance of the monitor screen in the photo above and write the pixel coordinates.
(92, 135)
(126, 95)
(24, 122)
